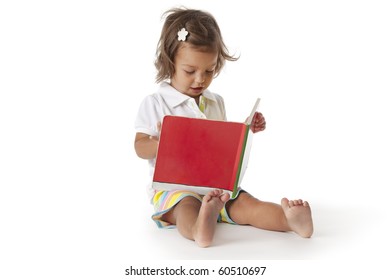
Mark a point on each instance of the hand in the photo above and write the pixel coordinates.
(258, 122)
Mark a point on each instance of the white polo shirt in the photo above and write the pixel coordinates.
(168, 101)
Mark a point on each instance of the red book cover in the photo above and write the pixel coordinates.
(201, 155)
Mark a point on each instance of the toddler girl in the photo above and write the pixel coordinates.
(190, 54)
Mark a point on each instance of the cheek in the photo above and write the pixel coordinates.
(185, 81)
(209, 79)
(181, 78)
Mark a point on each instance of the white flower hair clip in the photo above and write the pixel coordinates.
(182, 34)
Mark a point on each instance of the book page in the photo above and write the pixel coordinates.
(254, 109)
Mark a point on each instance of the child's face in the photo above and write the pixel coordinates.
(194, 70)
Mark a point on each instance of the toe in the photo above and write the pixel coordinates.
(285, 203)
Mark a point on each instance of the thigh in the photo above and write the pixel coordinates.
(165, 203)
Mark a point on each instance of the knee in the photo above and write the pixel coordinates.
(189, 201)
(241, 209)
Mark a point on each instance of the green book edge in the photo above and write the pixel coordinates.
(234, 194)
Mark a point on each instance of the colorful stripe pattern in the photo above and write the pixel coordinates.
(163, 201)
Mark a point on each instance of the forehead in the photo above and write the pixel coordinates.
(188, 55)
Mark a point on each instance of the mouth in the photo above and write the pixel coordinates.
(197, 89)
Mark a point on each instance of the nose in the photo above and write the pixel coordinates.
(200, 78)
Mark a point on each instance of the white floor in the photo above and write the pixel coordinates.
(339, 233)
(349, 240)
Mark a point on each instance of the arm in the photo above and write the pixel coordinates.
(145, 146)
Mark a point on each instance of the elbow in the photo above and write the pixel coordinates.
(142, 152)
(138, 150)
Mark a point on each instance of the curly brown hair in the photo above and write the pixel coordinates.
(203, 34)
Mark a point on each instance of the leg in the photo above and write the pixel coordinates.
(290, 215)
(195, 220)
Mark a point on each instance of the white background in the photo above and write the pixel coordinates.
(72, 74)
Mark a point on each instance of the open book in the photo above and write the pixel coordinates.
(201, 155)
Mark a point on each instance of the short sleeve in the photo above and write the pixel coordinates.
(148, 116)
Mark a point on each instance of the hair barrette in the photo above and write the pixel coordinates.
(182, 34)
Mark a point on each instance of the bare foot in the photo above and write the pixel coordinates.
(207, 219)
(298, 214)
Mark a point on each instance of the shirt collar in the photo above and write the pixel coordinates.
(175, 98)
